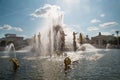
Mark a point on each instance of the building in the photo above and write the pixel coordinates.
(11, 38)
(101, 41)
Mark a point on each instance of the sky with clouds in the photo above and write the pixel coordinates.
(26, 17)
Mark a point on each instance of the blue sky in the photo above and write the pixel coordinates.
(86, 16)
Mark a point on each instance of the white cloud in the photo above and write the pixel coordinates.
(114, 30)
(92, 28)
(17, 29)
(9, 27)
(75, 26)
(106, 33)
(6, 27)
(48, 10)
(107, 24)
(95, 21)
(102, 15)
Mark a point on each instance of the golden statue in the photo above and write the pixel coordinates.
(74, 41)
(81, 38)
(15, 63)
(67, 62)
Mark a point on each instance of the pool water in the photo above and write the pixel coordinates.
(99, 65)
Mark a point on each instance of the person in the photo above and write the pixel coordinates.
(67, 62)
(15, 63)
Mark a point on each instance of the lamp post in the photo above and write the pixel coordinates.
(117, 32)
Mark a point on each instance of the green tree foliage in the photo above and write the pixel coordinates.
(114, 41)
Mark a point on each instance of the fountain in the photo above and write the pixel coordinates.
(83, 59)
(107, 46)
(86, 46)
(50, 42)
(55, 38)
(10, 49)
(51, 38)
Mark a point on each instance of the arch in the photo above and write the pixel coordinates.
(9, 42)
(3, 43)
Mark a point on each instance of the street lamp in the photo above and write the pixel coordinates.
(117, 32)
